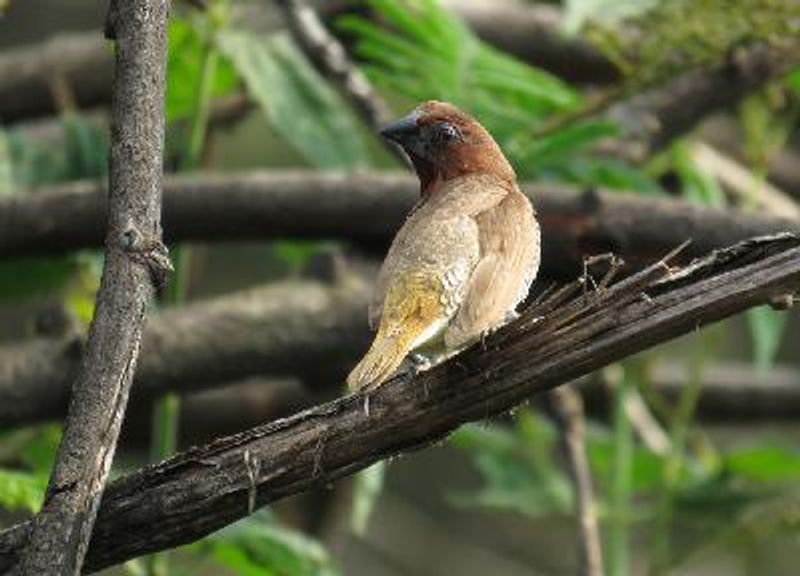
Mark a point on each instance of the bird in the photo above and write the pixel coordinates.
(465, 257)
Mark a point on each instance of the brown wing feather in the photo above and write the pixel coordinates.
(509, 238)
(455, 199)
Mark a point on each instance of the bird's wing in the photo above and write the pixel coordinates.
(454, 205)
(509, 239)
(423, 290)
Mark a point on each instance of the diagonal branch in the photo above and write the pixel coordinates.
(652, 118)
(61, 531)
(367, 208)
(564, 336)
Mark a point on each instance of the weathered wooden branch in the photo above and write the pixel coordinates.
(368, 208)
(562, 336)
(313, 330)
(60, 532)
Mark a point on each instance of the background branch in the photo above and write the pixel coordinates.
(368, 208)
(652, 118)
(60, 532)
(568, 407)
(554, 341)
(303, 328)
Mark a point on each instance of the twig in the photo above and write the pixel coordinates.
(206, 488)
(135, 257)
(742, 184)
(568, 407)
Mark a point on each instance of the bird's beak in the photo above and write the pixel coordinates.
(402, 131)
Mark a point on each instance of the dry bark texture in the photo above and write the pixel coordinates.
(61, 531)
(565, 334)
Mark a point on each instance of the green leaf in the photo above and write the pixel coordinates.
(259, 545)
(85, 148)
(508, 96)
(184, 65)
(21, 490)
(601, 172)
(646, 466)
(296, 100)
(296, 253)
(518, 467)
(696, 185)
(567, 141)
(766, 328)
(39, 452)
(772, 463)
(25, 278)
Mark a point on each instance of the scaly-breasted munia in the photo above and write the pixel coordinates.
(466, 255)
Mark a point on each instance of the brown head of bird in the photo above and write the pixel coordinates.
(444, 143)
(466, 255)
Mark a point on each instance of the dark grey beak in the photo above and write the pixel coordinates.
(402, 131)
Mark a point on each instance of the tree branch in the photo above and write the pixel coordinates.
(28, 74)
(568, 407)
(653, 118)
(300, 327)
(559, 338)
(369, 208)
(61, 531)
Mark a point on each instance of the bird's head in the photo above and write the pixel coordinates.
(443, 143)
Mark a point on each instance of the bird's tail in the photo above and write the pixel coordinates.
(383, 358)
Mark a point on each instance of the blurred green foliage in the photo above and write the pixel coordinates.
(261, 546)
(31, 453)
(417, 50)
(641, 38)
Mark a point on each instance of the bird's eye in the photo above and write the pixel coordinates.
(447, 132)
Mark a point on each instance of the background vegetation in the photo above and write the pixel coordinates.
(708, 498)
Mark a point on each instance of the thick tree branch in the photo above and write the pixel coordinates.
(315, 331)
(368, 208)
(559, 338)
(61, 531)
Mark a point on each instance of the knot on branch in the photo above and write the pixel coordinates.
(148, 251)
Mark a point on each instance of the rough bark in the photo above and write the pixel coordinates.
(368, 208)
(560, 337)
(315, 331)
(60, 532)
